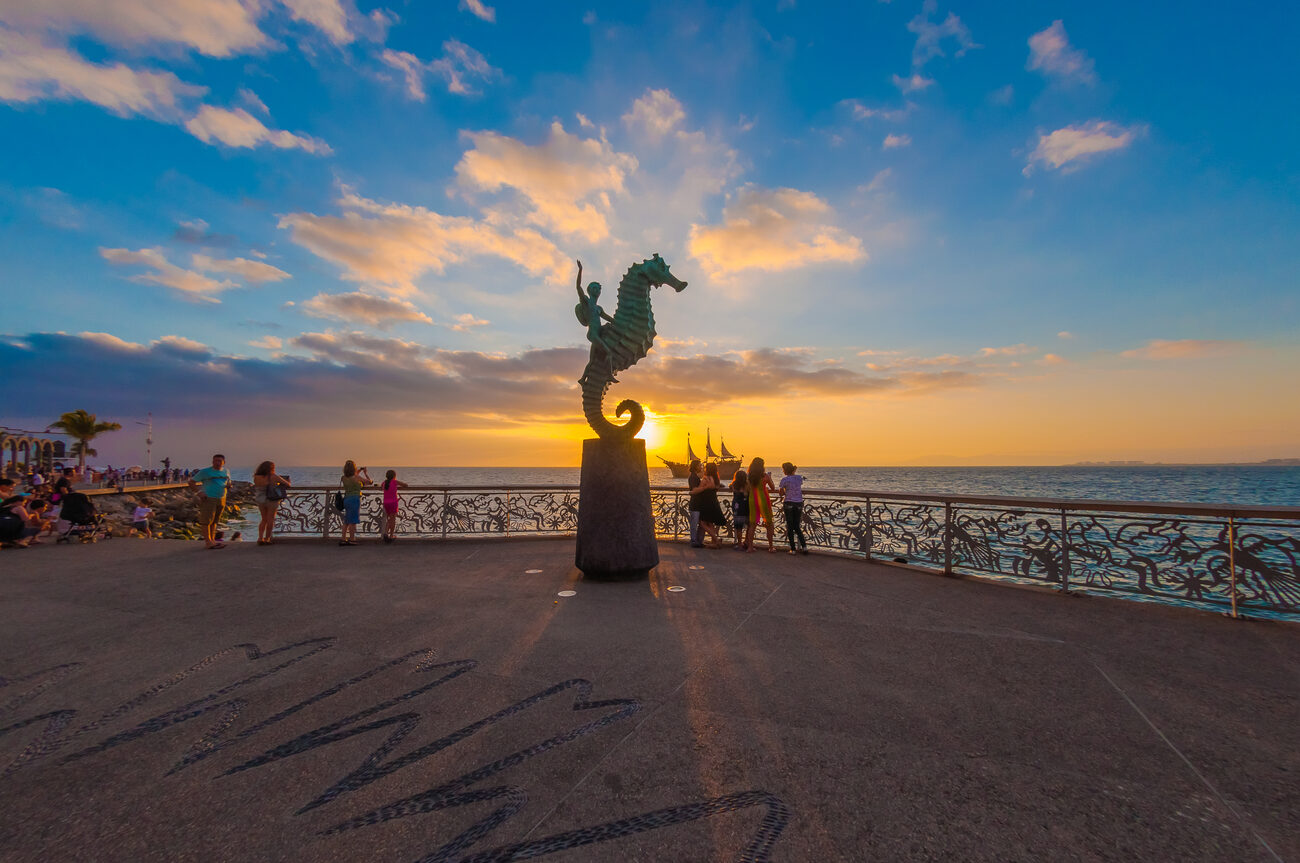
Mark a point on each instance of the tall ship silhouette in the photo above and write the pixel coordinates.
(727, 463)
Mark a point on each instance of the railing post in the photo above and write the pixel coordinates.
(507, 513)
(446, 500)
(325, 517)
(1065, 554)
(1232, 562)
(871, 541)
(677, 515)
(947, 537)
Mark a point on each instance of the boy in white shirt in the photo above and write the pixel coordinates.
(140, 519)
(792, 507)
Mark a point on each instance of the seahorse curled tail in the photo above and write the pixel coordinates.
(595, 385)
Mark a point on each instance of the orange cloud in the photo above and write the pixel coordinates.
(363, 308)
(1181, 349)
(391, 245)
(216, 28)
(565, 181)
(238, 128)
(31, 71)
(773, 230)
(193, 285)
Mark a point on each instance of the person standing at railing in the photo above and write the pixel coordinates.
(740, 508)
(212, 501)
(390, 485)
(712, 521)
(792, 507)
(760, 504)
(693, 483)
(353, 480)
(269, 488)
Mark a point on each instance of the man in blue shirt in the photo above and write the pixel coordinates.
(212, 502)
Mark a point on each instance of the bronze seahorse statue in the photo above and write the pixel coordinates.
(618, 342)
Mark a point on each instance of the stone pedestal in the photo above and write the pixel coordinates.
(616, 528)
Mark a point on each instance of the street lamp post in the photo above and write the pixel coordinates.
(148, 441)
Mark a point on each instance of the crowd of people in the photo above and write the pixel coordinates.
(752, 492)
(110, 477)
(30, 512)
(270, 488)
(751, 505)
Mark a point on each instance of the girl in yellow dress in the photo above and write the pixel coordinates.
(760, 504)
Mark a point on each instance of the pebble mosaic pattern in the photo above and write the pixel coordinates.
(224, 711)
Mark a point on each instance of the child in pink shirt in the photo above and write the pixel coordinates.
(391, 484)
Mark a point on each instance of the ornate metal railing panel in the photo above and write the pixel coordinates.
(1236, 559)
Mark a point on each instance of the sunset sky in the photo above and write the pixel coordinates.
(915, 233)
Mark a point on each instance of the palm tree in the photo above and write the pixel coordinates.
(85, 428)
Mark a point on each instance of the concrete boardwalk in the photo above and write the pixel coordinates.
(439, 701)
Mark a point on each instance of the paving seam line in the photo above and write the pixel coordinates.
(1228, 804)
(649, 715)
(1008, 630)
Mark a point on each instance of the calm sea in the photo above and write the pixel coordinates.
(1236, 484)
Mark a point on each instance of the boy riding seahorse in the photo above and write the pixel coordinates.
(590, 314)
(620, 341)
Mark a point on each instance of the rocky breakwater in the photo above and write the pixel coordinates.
(175, 510)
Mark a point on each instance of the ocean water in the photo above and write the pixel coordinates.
(1211, 484)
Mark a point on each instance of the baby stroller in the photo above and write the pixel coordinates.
(83, 521)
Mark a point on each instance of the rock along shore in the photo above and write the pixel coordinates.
(175, 510)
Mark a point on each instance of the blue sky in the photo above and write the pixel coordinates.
(914, 233)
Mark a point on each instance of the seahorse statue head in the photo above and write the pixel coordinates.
(656, 272)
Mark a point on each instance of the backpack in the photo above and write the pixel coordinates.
(11, 525)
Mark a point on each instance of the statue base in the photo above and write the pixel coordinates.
(616, 528)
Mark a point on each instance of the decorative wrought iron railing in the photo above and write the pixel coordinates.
(1238, 559)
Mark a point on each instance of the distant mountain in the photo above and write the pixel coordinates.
(1272, 462)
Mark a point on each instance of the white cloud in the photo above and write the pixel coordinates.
(364, 308)
(249, 98)
(930, 36)
(772, 230)
(479, 10)
(1182, 349)
(1070, 148)
(655, 114)
(250, 271)
(216, 28)
(566, 181)
(328, 16)
(391, 245)
(235, 127)
(31, 71)
(1065, 334)
(181, 344)
(912, 84)
(270, 343)
(458, 64)
(54, 207)
(877, 182)
(466, 322)
(112, 342)
(411, 67)
(1002, 96)
(191, 284)
(894, 141)
(863, 112)
(1007, 351)
(1050, 53)
(1054, 360)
